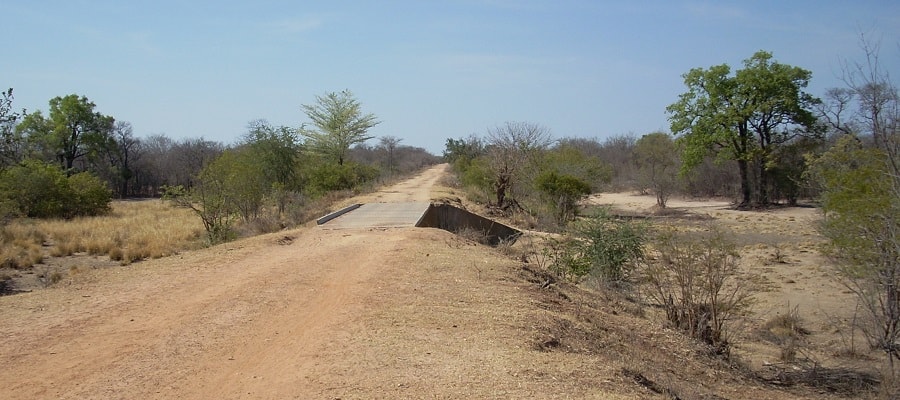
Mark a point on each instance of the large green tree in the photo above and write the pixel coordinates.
(71, 131)
(339, 122)
(277, 149)
(743, 117)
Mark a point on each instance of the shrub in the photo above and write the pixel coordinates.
(37, 189)
(90, 196)
(562, 192)
(327, 177)
(601, 245)
(697, 281)
(40, 190)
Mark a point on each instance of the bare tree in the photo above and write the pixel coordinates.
(861, 198)
(511, 147)
(389, 143)
(11, 142)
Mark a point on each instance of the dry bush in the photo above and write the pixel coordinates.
(696, 279)
(19, 255)
(473, 235)
(450, 181)
(266, 222)
(788, 332)
(63, 246)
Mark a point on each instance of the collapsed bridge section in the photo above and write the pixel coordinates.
(418, 214)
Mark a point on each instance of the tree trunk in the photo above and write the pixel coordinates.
(745, 183)
(502, 185)
(763, 190)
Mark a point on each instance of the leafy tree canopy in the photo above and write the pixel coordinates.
(71, 131)
(340, 123)
(743, 116)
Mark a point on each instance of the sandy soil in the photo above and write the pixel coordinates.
(345, 314)
(782, 248)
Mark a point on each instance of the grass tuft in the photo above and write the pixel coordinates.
(133, 231)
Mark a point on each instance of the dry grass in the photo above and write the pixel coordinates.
(20, 245)
(786, 330)
(134, 230)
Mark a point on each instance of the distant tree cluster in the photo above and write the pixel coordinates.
(72, 160)
(519, 168)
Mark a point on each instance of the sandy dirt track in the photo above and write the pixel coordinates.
(312, 313)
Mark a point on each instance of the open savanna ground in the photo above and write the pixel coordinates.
(404, 313)
(780, 248)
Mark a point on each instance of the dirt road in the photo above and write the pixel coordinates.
(318, 313)
(309, 313)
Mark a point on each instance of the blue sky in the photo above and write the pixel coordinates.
(430, 70)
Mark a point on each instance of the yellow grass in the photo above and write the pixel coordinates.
(20, 245)
(134, 230)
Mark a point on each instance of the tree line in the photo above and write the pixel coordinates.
(269, 163)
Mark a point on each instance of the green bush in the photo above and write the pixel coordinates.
(603, 246)
(562, 192)
(327, 177)
(90, 195)
(40, 190)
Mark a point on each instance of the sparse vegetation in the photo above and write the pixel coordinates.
(788, 332)
(696, 279)
(758, 119)
(602, 246)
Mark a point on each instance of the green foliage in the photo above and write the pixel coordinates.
(566, 158)
(89, 194)
(563, 193)
(10, 140)
(743, 117)
(326, 177)
(340, 124)
(231, 186)
(861, 202)
(476, 173)
(540, 182)
(39, 190)
(241, 177)
(603, 246)
(72, 131)
(216, 201)
(463, 150)
(277, 150)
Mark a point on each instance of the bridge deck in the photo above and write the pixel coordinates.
(379, 215)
